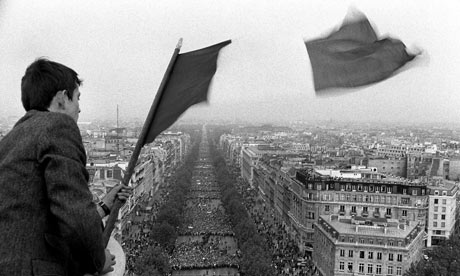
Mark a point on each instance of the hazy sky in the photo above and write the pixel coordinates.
(121, 50)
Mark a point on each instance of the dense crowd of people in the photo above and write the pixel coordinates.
(202, 255)
(205, 217)
(135, 237)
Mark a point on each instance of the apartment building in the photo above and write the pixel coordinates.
(367, 194)
(366, 246)
(442, 212)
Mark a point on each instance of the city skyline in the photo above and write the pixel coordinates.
(121, 50)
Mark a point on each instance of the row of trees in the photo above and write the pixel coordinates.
(256, 257)
(164, 231)
(442, 260)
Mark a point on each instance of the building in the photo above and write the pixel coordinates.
(396, 166)
(442, 212)
(366, 194)
(454, 169)
(399, 151)
(366, 246)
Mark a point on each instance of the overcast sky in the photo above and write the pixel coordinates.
(121, 50)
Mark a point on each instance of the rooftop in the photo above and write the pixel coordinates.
(368, 226)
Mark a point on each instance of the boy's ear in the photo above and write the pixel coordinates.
(60, 97)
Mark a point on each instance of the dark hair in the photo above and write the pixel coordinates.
(42, 80)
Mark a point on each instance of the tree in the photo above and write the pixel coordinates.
(153, 261)
(170, 215)
(164, 234)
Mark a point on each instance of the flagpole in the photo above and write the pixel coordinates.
(140, 143)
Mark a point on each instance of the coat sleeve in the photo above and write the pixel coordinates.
(62, 157)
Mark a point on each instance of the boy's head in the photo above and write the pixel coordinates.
(41, 82)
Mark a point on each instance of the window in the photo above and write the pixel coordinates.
(109, 174)
(444, 193)
(350, 266)
(350, 253)
(443, 224)
(378, 269)
(435, 216)
(383, 189)
(435, 224)
(390, 256)
(436, 201)
(342, 208)
(342, 266)
(399, 257)
(443, 217)
(371, 188)
(390, 270)
(404, 213)
(326, 208)
(369, 268)
(361, 240)
(360, 188)
(391, 243)
(398, 270)
(435, 208)
(379, 255)
(361, 268)
(444, 201)
(414, 192)
(443, 209)
(365, 209)
(361, 254)
(388, 212)
(342, 253)
(370, 255)
(353, 209)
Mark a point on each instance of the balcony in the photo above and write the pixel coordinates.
(364, 214)
(388, 215)
(376, 214)
(353, 213)
(342, 213)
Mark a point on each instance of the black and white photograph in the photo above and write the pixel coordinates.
(229, 138)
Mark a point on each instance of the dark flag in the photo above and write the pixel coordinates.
(188, 84)
(353, 56)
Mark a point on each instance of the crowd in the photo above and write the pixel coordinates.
(202, 255)
(135, 238)
(206, 239)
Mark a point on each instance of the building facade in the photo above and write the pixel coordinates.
(363, 246)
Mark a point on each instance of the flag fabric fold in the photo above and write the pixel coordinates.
(188, 84)
(353, 56)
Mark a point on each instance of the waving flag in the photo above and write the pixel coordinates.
(188, 84)
(353, 56)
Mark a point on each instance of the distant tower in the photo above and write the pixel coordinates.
(118, 139)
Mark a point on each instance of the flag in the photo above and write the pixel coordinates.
(353, 56)
(188, 84)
